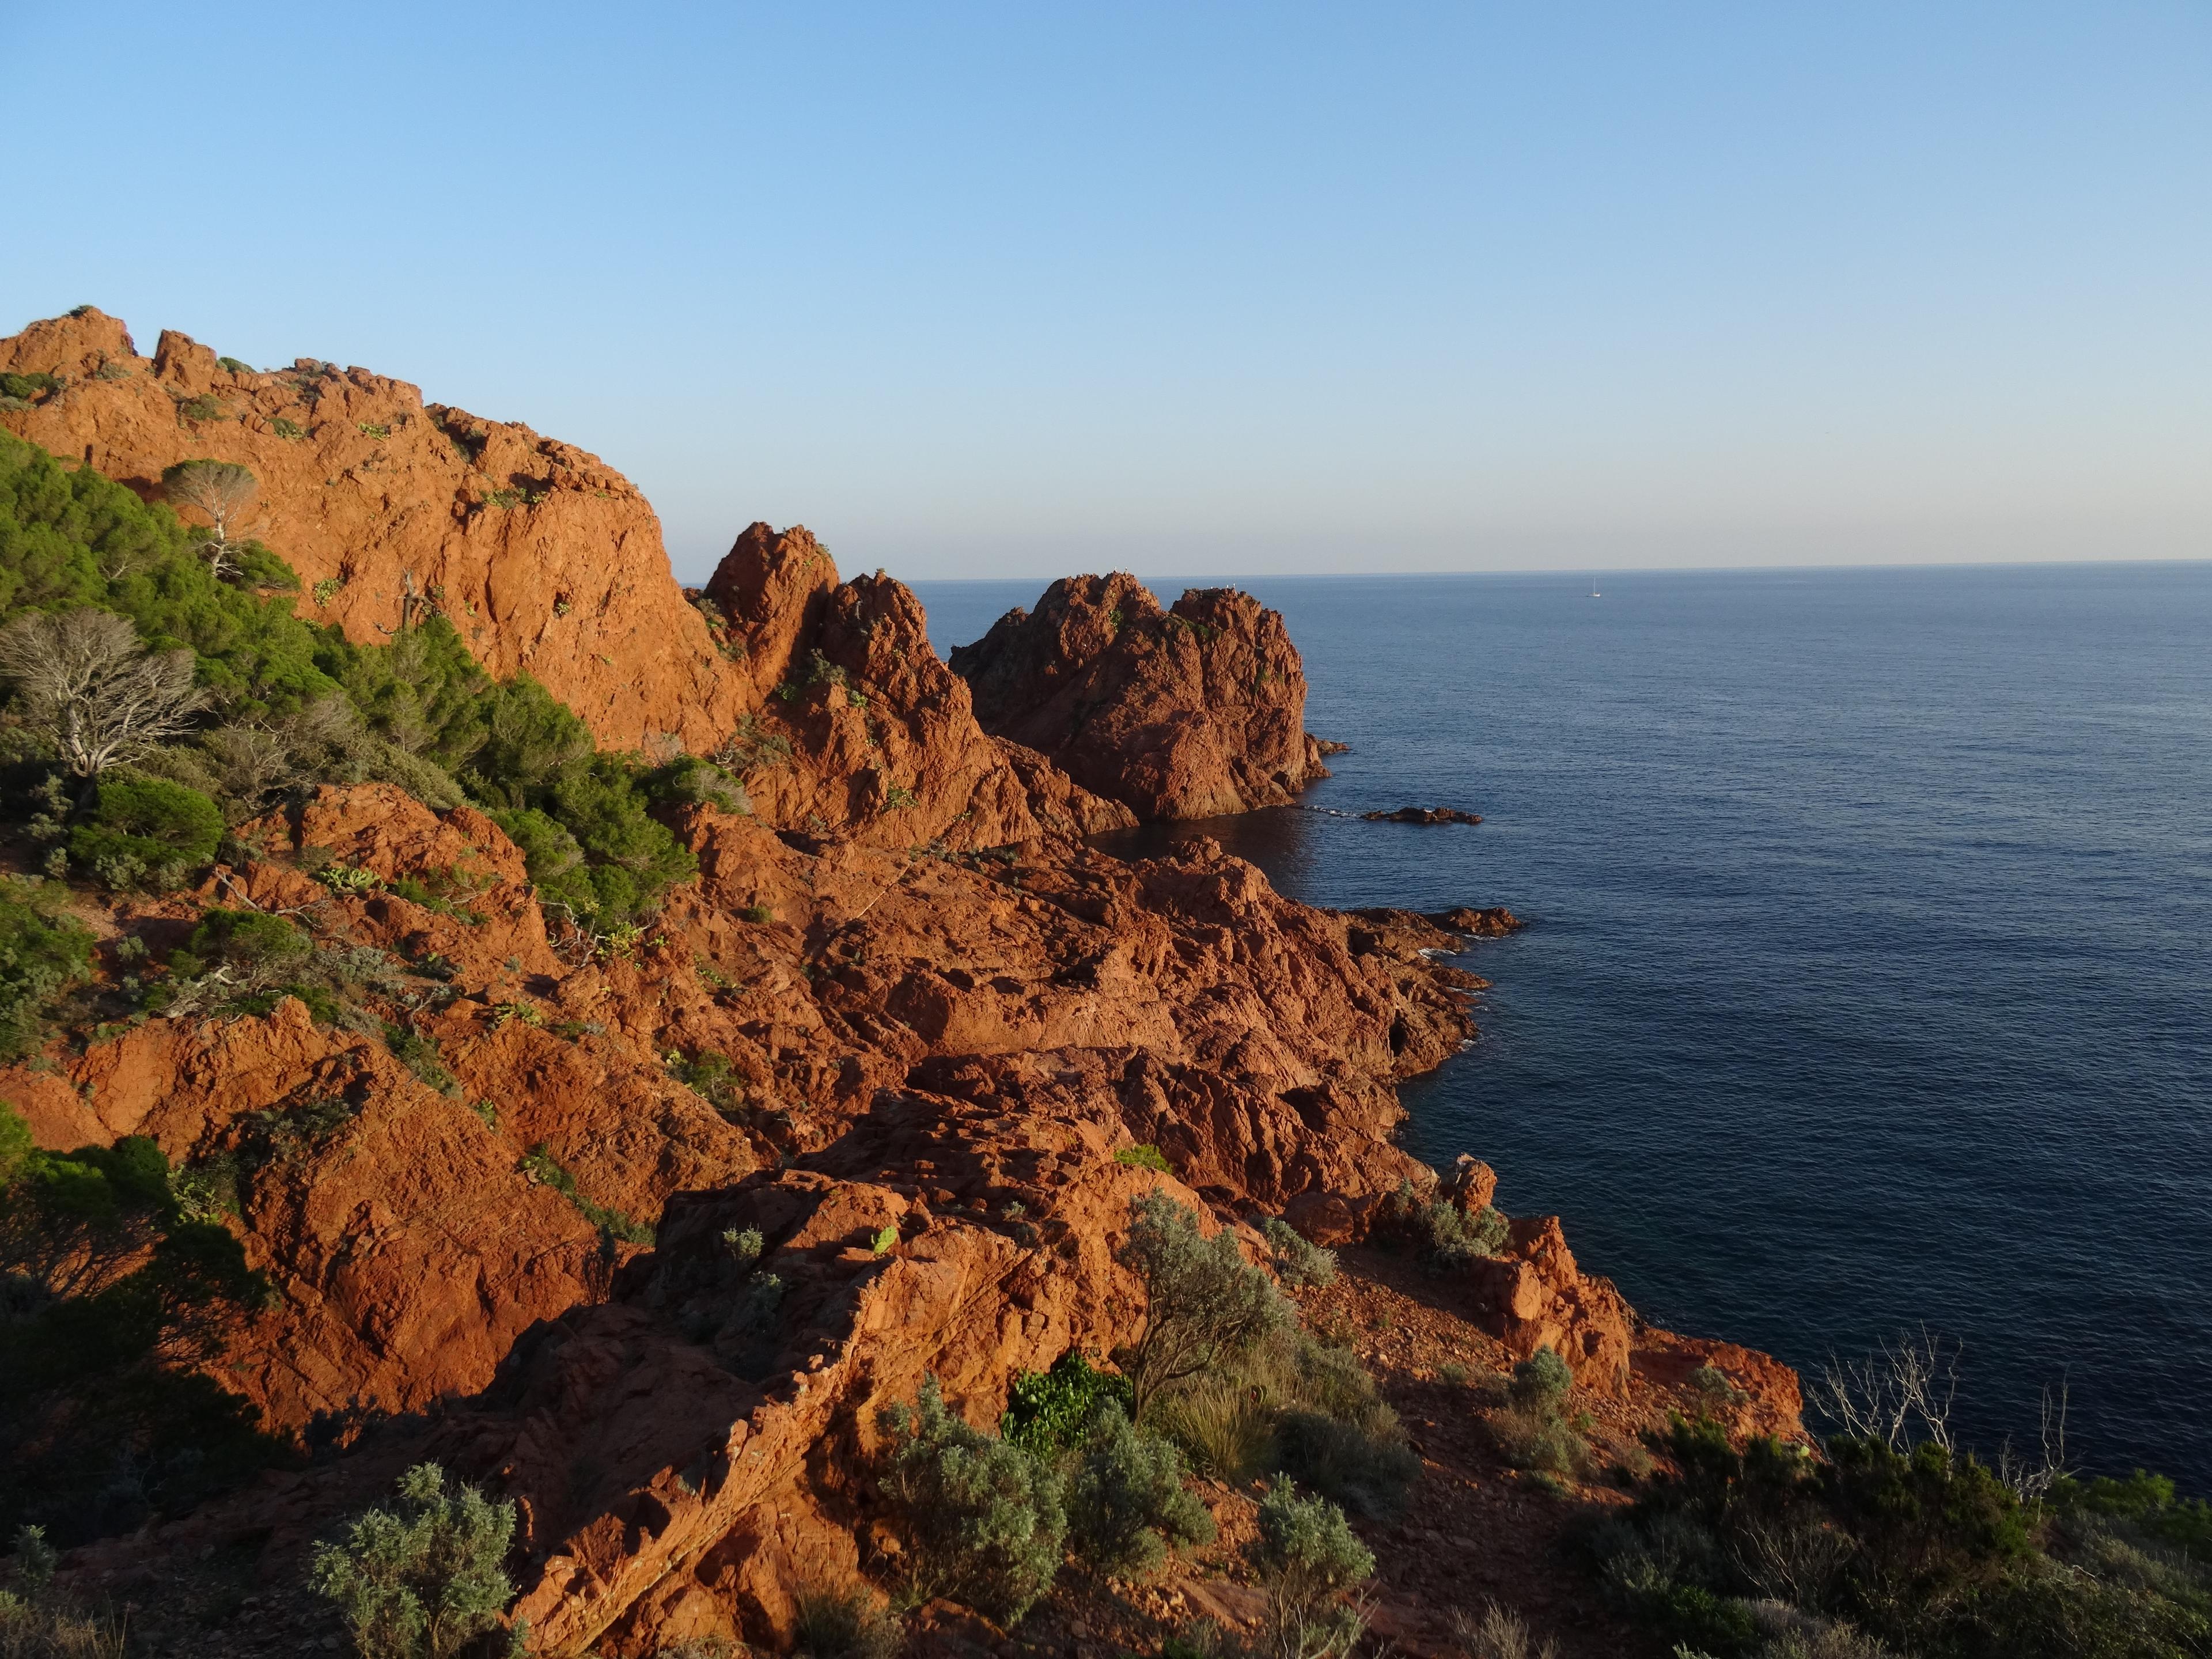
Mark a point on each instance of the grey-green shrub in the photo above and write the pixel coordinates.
(146, 832)
(424, 1578)
(43, 951)
(1297, 1261)
(1541, 1382)
(1204, 1304)
(1126, 1501)
(1307, 1559)
(1446, 1236)
(986, 1517)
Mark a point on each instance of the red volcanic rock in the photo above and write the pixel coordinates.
(1536, 1297)
(543, 556)
(546, 560)
(1182, 713)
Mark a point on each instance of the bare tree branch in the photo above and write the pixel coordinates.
(221, 491)
(83, 680)
(1898, 1396)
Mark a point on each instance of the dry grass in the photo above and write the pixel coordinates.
(42, 1631)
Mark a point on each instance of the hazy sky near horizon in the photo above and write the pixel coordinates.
(1016, 289)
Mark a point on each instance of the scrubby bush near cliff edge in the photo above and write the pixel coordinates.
(1298, 1262)
(1204, 1304)
(985, 1517)
(423, 1579)
(1295, 1405)
(539, 1164)
(1918, 1548)
(109, 1293)
(1442, 1234)
(419, 712)
(1144, 1158)
(1127, 1505)
(1308, 1561)
(42, 953)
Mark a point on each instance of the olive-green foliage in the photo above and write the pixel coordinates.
(146, 832)
(831, 1624)
(1922, 1549)
(1541, 1382)
(1126, 1500)
(1296, 1405)
(42, 953)
(985, 1517)
(611, 1224)
(427, 716)
(1297, 1260)
(424, 1578)
(44, 1627)
(1204, 1305)
(1444, 1237)
(1144, 1157)
(1307, 1559)
(1051, 1411)
(111, 1295)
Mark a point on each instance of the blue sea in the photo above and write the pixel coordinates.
(1868, 982)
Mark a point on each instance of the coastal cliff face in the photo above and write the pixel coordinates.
(903, 1023)
(1187, 713)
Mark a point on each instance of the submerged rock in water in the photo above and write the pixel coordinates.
(1424, 815)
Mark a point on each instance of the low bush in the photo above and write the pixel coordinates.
(1051, 1411)
(43, 951)
(1308, 1561)
(849, 1624)
(1443, 1236)
(1126, 1504)
(425, 1578)
(1144, 1157)
(1298, 1262)
(147, 832)
(1205, 1306)
(539, 1164)
(985, 1517)
(1497, 1634)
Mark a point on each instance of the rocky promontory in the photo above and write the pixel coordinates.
(1188, 713)
(640, 1222)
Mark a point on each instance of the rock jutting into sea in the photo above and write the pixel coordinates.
(905, 1046)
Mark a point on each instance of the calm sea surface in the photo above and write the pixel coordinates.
(1869, 977)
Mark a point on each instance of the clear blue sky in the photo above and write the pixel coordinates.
(1014, 289)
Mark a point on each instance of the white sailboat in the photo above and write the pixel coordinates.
(1594, 592)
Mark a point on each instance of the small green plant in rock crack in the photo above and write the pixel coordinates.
(539, 1164)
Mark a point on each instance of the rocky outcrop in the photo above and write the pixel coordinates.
(548, 561)
(1187, 713)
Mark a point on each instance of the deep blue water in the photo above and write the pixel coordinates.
(1869, 973)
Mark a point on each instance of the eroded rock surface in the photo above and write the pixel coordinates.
(1186, 712)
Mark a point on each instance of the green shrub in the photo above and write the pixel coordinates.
(1051, 1411)
(291, 432)
(423, 1579)
(1307, 1559)
(258, 948)
(42, 952)
(827, 1624)
(690, 780)
(1126, 1501)
(1443, 1236)
(1297, 1261)
(146, 832)
(1541, 1384)
(1144, 1157)
(1346, 1460)
(1204, 1306)
(712, 1077)
(29, 387)
(986, 1517)
(539, 1164)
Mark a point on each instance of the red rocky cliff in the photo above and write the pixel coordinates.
(1180, 713)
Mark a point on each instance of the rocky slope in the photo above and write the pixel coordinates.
(1185, 712)
(901, 1025)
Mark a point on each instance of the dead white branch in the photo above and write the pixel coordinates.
(83, 680)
